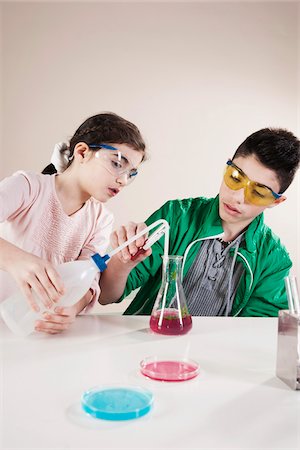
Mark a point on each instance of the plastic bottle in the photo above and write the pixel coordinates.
(77, 277)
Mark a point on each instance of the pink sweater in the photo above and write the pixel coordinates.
(31, 217)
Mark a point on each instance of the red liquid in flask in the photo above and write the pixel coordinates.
(171, 323)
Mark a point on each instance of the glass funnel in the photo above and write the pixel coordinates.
(170, 314)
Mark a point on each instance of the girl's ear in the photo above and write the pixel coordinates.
(277, 201)
(81, 151)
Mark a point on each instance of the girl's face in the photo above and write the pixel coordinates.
(104, 173)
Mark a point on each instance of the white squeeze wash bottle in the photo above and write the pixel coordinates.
(77, 276)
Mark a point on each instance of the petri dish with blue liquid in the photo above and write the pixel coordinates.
(117, 402)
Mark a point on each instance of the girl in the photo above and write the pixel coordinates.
(50, 218)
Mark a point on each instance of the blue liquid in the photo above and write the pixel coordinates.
(117, 403)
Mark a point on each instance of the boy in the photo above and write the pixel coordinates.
(233, 263)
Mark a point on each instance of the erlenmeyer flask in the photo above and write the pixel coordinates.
(170, 314)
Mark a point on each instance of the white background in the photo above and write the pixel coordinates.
(197, 78)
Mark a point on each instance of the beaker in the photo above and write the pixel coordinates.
(170, 314)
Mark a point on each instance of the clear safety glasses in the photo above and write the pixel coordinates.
(114, 161)
(256, 193)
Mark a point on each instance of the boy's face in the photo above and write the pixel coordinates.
(234, 208)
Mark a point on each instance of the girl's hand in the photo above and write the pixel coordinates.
(35, 276)
(122, 234)
(62, 317)
(58, 321)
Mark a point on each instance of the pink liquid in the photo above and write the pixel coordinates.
(170, 370)
(170, 323)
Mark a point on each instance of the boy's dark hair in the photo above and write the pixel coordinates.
(105, 128)
(277, 149)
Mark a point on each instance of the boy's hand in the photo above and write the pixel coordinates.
(122, 234)
(37, 276)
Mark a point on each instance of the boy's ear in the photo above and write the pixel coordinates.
(277, 201)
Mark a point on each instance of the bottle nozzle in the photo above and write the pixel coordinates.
(100, 261)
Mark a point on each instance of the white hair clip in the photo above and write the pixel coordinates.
(61, 157)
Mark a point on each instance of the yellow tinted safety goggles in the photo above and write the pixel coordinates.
(256, 193)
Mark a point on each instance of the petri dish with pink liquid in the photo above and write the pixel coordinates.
(169, 369)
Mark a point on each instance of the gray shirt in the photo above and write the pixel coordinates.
(212, 280)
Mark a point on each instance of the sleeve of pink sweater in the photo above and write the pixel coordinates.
(98, 244)
(32, 218)
(15, 193)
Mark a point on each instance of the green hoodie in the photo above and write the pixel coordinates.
(261, 291)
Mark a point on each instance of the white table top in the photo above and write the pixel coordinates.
(235, 403)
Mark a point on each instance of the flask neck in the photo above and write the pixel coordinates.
(172, 268)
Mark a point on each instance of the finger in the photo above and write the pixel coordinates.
(55, 279)
(140, 251)
(122, 259)
(132, 231)
(39, 291)
(142, 256)
(53, 294)
(48, 330)
(51, 327)
(58, 318)
(65, 310)
(26, 290)
(141, 240)
(122, 237)
(114, 242)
